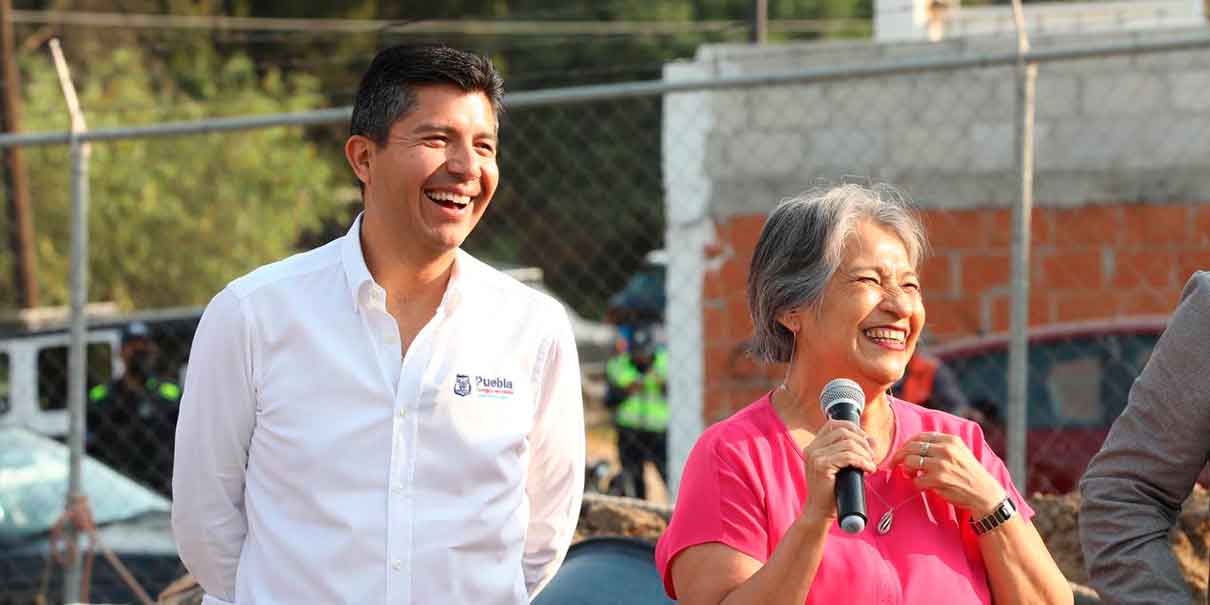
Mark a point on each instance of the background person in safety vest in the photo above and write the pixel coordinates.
(132, 419)
(638, 392)
(928, 382)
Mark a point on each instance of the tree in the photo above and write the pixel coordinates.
(173, 220)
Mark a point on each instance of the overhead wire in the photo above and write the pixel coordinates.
(464, 26)
(235, 32)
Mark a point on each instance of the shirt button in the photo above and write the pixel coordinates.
(396, 565)
(402, 412)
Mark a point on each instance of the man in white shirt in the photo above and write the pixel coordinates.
(386, 419)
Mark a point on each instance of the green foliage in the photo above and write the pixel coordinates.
(173, 219)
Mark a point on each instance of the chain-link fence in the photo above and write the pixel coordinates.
(638, 206)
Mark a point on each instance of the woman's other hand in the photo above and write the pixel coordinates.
(942, 463)
(836, 445)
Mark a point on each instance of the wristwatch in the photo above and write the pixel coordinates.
(1003, 512)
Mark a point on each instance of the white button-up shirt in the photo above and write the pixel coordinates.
(313, 465)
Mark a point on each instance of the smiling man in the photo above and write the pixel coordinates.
(386, 419)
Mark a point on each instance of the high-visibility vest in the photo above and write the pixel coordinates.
(918, 379)
(165, 389)
(647, 408)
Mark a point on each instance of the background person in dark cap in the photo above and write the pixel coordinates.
(132, 419)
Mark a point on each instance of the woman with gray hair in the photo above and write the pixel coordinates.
(834, 293)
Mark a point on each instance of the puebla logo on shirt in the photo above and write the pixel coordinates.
(496, 387)
(462, 385)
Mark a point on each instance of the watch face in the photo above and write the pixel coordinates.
(1007, 507)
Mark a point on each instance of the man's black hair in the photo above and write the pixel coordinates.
(387, 91)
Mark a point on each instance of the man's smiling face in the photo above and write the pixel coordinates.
(436, 174)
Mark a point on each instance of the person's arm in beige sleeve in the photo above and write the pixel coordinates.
(1134, 487)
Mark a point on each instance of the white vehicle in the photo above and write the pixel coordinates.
(34, 359)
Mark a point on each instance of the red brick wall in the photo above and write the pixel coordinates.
(1087, 263)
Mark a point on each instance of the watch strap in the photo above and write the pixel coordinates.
(1003, 512)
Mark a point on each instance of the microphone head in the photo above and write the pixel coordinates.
(853, 524)
(842, 390)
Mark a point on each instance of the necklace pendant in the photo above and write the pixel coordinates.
(884, 524)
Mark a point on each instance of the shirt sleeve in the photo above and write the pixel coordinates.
(555, 480)
(717, 502)
(214, 429)
(1134, 487)
(972, 434)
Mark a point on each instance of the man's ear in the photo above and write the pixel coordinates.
(358, 151)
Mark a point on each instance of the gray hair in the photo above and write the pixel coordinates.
(801, 245)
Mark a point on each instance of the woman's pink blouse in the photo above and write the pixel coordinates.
(744, 485)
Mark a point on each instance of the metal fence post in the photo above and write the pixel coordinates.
(1018, 350)
(77, 360)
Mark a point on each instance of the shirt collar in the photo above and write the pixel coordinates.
(460, 281)
(362, 285)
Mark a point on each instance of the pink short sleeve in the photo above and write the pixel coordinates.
(983, 453)
(994, 465)
(719, 501)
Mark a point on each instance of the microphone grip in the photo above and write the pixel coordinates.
(850, 481)
(850, 499)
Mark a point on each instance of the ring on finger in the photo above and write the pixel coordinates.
(924, 448)
(921, 464)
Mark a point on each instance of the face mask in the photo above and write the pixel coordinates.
(142, 363)
(642, 363)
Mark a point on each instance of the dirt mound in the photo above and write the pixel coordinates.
(613, 516)
(1057, 521)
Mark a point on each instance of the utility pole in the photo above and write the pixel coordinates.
(21, 223)
(760, 21)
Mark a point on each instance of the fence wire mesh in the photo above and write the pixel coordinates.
(640, 214)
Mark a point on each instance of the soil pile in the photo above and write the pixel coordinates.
(1057, 521)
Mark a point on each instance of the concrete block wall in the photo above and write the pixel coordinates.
(1116, 129)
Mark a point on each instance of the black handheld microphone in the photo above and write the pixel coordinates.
(843, 399)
